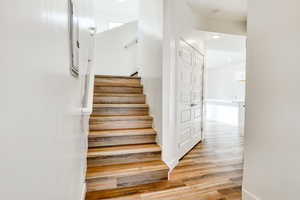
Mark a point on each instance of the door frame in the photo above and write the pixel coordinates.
(177, 128)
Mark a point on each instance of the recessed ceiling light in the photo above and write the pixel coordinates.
(216, 36)
(120, 1)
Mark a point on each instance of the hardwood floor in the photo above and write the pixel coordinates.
(211, 171)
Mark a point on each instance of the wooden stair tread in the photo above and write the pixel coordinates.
(122, 132)
(104, 122)
(118, 85)
(119, 89)
(124, 169)
(135, 190)
(120, 106)
(110, 76)
(117, 95)
(117, 98)
(120, 109)
(120, 118)
(123, 150)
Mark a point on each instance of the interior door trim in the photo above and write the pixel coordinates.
(201, 124)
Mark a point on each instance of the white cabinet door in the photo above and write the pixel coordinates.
(190, 65)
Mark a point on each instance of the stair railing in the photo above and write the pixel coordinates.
(89, 79)
(131, 43)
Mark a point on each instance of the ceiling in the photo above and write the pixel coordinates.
(221, 9)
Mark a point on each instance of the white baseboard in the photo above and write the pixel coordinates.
(171, 164)
(249, 196)
(83, 192)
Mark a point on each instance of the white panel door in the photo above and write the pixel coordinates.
(190, 65)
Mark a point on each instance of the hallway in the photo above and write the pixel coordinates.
(211, 171)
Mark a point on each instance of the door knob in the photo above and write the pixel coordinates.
(193, 105)
(92, 31)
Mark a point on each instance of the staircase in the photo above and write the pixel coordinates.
(122, 149)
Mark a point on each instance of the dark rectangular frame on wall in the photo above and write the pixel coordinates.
(73, 40)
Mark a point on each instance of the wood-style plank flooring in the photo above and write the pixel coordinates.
(211, 171)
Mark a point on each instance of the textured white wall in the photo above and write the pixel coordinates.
(150, 56)
(226, 26)
(204, 23)
(111, 58)
(107, 11)
(272, 101)
(179, 22)
(222, 86)
(42, 146)
(222, 83)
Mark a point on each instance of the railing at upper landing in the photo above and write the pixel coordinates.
(131, 43)
(89, 78)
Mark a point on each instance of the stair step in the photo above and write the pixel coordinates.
(120, 109)
(120, 193)
(123, 154)
(104, 98)
(104, 84)
(120, 122)
(121, 77)
(123, 132)
(96, 118)
(122, 149)
(116, 95)
(100, 79)
(125, 175)
(121, 137)
(119, 89)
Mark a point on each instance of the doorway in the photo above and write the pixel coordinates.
(214, 160)
(190, 79)
(225, 81)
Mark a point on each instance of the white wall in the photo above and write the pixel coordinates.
(225, 26)
(115, 11)
(205, 23)
(222, 75)
(272, 101)
(179, 22)
(223, 90)
(42, 146)
(225, 78)
(150, 57)
(111, 56)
